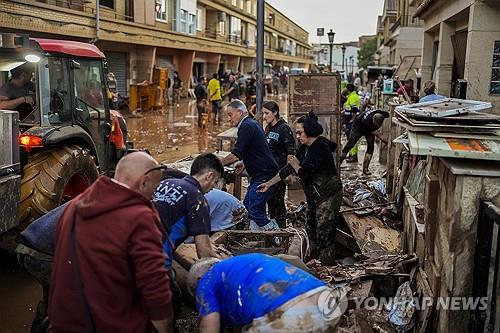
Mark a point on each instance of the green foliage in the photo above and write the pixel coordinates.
(366, 53)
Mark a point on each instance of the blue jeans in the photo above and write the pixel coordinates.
(255, 203)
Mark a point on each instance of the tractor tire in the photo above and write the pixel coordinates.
(53, 177)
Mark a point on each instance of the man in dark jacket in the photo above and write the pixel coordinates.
(252, 149)
(109, 266)
(366, 124)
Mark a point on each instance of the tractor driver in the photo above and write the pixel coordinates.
(15, 94)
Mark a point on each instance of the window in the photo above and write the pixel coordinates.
(495, 70)
(221, 28)
(249, 6)
(192, 24)
(233, 2)
(161, 10)
(55, 93)
(107, 3)
(235, 29)
(183, 19)
(199, 20)
(88, 87)
(272, 18)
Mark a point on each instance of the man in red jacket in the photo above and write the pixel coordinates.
(109, 270)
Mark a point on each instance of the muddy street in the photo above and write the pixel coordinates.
(172, 134)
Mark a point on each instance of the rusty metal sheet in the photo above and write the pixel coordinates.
(314, 92)
(319, 93)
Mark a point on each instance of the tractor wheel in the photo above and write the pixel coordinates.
(53, 177)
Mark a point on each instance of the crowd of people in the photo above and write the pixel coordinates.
(231, 86)
(105, 259)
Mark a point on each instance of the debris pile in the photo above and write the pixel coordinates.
(449, 128)
(363, 267)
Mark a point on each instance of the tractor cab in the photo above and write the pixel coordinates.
(69, 93)
(68, 134)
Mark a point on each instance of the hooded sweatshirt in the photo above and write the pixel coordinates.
(122, 265)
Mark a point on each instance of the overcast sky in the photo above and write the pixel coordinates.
(348, 18)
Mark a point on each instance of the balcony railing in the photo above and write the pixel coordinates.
(407, 21)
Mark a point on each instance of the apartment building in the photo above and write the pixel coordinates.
(461, 47)
(194, 37)
(400, 38)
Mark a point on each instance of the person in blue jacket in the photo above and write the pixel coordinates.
(258, 293)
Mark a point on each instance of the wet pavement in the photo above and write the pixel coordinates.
(20, 294)
(172, 134)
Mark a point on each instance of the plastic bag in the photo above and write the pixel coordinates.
(403, 308)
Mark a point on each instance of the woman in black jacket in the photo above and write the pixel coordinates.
(281, 143)
(315, 167)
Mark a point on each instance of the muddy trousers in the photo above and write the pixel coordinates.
(276, 204)
(321, 226)
(41, 270)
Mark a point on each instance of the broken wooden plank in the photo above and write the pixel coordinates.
(424, 290)
(372, 235)
(382, 240)
(431, 194)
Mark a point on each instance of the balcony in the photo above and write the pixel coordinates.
(407, 21)
(67, 4)
(87, 7)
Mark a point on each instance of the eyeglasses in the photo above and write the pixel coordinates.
(159, 167)
(299, 132)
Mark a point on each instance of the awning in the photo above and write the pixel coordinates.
(425, 144)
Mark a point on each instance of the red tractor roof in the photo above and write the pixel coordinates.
(69, 47)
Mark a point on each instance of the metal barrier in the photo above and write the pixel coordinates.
(486, 266)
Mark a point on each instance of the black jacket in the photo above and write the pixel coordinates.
(281, 141)
(318, 172)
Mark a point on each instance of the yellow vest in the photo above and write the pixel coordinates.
(214, 90)
(353, 99)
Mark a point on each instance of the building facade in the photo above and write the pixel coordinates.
(194, 37)
(400, 38)
(461, 48)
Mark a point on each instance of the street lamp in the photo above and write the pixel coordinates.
(343, 55)
(331, 36)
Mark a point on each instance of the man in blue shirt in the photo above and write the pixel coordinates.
(184, 210)
(226, 211)
(258, 293)
(251, 147)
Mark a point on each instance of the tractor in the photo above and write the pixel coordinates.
(68, 136)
